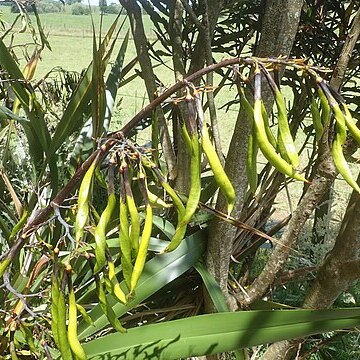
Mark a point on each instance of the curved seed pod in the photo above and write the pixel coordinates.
(350, 123)
(180, 208)
(157, 201)
(285, 141)
(251, 161)
(253, 148)
(340, 138)
(316, 118)
(325, 107)
(64, 345)
(195, 180)
(341, 163)
(100, 230)
(54, 300)
(186, 137)
(125, 243)
(114, 284)
(83, 201)
(132, 209)
(177, 238)
(100, 233)
(219, 173)
(266, 148)
(145, 236)
(74, 342)
(84, 314)
(105, 306)
(268, 131)
(194, 194)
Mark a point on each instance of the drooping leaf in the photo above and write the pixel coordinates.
(37, 133)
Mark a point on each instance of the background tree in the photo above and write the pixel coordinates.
(102, 6)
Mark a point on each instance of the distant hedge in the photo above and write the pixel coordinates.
(79, 9)
(44, 6)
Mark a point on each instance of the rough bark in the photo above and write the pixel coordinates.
(341, 265)
(319, 185)
(175, 31)
(198, 56)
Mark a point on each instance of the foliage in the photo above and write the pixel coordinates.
(79, 9)
(44, 6)
(102, 237)
(113, 8)
(102, 6)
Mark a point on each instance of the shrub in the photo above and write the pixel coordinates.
(44, 6)
(112, 9)
(79, 9)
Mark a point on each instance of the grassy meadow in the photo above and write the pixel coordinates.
(71, 41)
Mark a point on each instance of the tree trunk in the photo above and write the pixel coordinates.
(277, 38)
(342, 265)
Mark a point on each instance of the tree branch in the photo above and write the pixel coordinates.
(40, 216)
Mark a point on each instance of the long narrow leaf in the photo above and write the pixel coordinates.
(221, 332)
(78, 109)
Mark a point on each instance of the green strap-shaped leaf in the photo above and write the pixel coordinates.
(216, 333)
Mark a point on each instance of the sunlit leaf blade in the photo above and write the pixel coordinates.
(216, 295)
(158, 272)
(221, 332)
(73, 116)
(78, 109)
(114, 78)
(98, 100)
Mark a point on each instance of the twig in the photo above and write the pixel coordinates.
(21, 297)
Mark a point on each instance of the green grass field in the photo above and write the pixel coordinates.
(70, 37)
